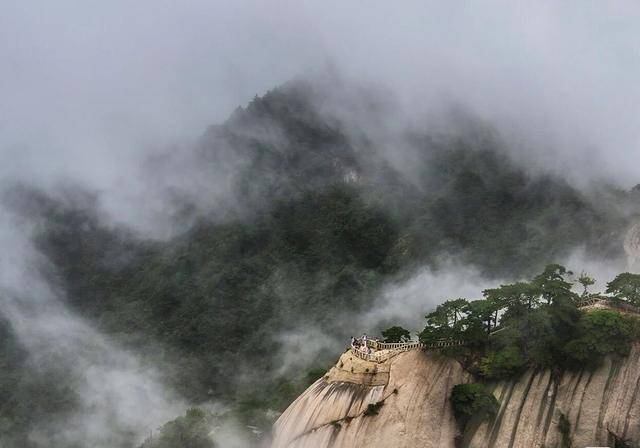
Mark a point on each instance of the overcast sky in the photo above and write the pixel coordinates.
(87, 87)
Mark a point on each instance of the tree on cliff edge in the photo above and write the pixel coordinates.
(396, 334)
(626, 286)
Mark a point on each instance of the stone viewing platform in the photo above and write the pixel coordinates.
(352, 369)
(371, 366)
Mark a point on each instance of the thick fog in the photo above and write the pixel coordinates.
(119, 396)
(92, 91)
(90, 88)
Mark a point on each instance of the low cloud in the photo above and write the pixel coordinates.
(301, 348)
(120, 399)
(406, 302)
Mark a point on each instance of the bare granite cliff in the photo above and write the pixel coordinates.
(404, 402)
(409, 398)
(600, 408)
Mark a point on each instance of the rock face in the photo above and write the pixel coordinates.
(413, 389)
(599, 406)
(632, 247)
(404, 402)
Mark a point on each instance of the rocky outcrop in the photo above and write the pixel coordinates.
(405, 403)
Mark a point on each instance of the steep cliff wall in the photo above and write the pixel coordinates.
(598, 405)
(413, 388)
(412, 391)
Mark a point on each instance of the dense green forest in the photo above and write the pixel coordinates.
(318, 222)
(538, 324)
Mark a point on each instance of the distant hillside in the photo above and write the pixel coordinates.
(319, 220)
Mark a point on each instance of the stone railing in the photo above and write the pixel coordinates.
(442, 343)
(386, 351)
(399, 345)
(371, 357)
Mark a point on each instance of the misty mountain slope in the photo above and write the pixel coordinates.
(29, 392)
(216, 286)
(320, 221)
(456, 193)
(295, 138)
(479, 203)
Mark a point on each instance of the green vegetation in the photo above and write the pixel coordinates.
(601, 333)
(373, 408)
(626, 286)
(189, 431)
(395, 334)
(535, 324)
(586, 281)
(564, 426)
(30, 392)
(472, 400)
(503, 362)
(304, 243)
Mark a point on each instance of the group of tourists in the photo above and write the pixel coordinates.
(361, 345)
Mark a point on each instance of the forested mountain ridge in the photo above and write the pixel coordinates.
(318, 220)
